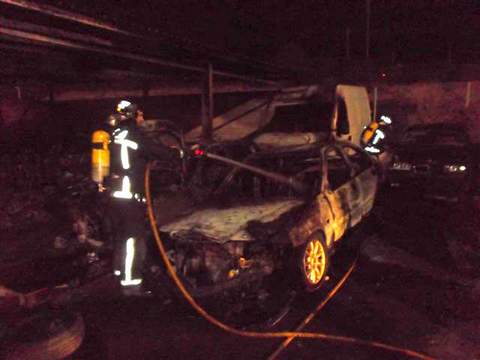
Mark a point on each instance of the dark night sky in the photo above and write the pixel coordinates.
(401, 30)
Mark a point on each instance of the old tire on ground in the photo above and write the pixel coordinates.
(47, 336)
(313, 261)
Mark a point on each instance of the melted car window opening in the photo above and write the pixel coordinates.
(359, 161)
(303, 117)
(244, 184)
(338, 169)
(343, 126)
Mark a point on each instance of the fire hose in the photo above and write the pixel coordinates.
(287, 335)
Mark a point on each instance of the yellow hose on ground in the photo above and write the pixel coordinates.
(254, 334)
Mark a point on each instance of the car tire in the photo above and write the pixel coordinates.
(313, 262)
(47, 336)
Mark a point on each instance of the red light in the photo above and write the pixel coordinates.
(384, 75)
(199, 152)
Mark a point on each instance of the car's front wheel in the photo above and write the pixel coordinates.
(314, 262)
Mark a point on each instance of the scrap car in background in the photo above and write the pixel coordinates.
(435, 160)
(342, 114)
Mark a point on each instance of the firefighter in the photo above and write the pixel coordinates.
(130, 150)
(374, 136)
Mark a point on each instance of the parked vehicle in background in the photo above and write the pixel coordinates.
(436, 160)
(342, 114)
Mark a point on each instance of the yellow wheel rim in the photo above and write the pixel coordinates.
(314, 262)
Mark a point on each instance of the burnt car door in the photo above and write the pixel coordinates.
(364, 177)
(339, 190)
(322, 215)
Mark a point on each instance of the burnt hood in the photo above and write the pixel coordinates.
(230, 224)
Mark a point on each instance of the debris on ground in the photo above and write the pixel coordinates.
(39, 191)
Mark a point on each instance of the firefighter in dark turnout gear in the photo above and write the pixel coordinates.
(130, 150)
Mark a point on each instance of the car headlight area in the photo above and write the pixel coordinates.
(455, 169)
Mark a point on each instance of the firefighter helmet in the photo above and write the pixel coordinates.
(126, 109)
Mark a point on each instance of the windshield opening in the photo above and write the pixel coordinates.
(242, 184)
(305, 117)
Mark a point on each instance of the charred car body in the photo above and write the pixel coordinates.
(287, 205)
(268, 196)
(436, 160)
(276, 188)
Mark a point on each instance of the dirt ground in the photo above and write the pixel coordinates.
(416, 286)
(408, 290)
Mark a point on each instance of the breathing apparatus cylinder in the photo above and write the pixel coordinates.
(100, 156)
(368, 133)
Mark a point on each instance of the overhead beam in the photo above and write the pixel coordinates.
(50, 31)
(66, 15)
(23, 48)
(69, 44)
(63, 93)
(90, 21)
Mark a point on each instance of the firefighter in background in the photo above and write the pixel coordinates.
(374, 137)
(129, 151)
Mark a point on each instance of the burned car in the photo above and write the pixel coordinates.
(261, 202)
(435, 160)
(280, 207)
